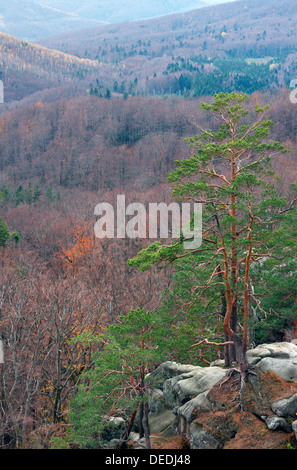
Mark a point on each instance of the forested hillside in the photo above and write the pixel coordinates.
(174, 54)
(99, 144)
(199, 53)
(188, 108)
(27, 68)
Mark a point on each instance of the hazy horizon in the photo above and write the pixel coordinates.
(34, 20)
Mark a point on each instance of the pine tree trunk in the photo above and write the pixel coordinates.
(123, 442)
(233, 324)
(141, 406)
(141, 414)
(241, 359)
(146, 426)
(294, 329)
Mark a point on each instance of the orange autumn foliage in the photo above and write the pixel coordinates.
(81, 248)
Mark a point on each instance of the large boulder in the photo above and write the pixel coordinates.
(156, 400)
(284, 368)
(163, 423)
(165, 377)
(280, 358)
(276, 423)
(286, 408)
(273, 350)
(180, 383)
(197, 404)
(170, 369)
(197, 382)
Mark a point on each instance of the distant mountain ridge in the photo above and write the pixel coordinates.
(194, 53)
(27, 68)
(242, 29)
(32, 20)
(117, 11)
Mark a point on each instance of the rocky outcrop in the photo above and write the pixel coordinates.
(286, 408)
(280, 358)
(203, 403)
(182, 388)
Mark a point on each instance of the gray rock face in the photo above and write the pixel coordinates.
(276, 423)
(180, 383)
(286, 408)
(218, 362)
(185, 385)
(284, 368)
(169, 395)
(197, 382)
(258, 353)
(201, 439)
(274, 350)
(280, 358)
(164, 422)
(169, 369)
(199, 403)
(280, 350)
(156, 400)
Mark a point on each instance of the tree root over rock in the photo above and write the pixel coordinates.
(241, 380)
